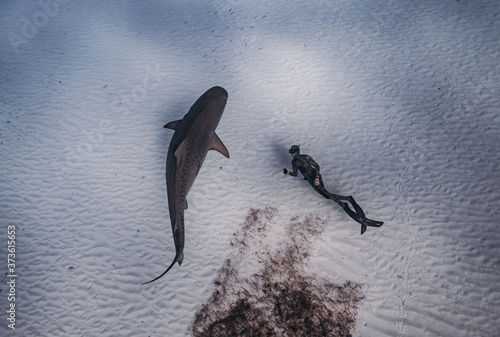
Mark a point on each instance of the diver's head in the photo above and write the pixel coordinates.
(294, 150)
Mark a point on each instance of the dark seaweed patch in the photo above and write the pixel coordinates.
(281, 298)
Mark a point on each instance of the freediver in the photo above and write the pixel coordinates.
(310, 170)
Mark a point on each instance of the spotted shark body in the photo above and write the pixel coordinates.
(194, 136)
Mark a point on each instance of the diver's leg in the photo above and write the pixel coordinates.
(355, 216)
(358, 215)
(339, 200)
(321, 187)
(357, 208)
(358, 218)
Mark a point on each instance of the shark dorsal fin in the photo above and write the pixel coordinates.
(172, 125)
(217, 145)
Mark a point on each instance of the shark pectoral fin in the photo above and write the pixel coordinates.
(217, 145)
(179, 152)
(180, 257)
(171, 125)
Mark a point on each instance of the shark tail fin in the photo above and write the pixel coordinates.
(179, 257)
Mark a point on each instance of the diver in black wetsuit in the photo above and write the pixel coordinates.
(310, 170)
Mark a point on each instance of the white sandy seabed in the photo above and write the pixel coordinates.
(398, 101)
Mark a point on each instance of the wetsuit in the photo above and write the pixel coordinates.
(310, 170)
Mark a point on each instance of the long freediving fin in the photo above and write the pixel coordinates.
(359, 218)
(372, 223)
(368, 222)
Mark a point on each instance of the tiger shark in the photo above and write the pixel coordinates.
(194, 136)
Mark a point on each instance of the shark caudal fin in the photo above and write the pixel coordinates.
(179, 257)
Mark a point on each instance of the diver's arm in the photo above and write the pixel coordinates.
(316, 168)
(313, 164)
(294, 172)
